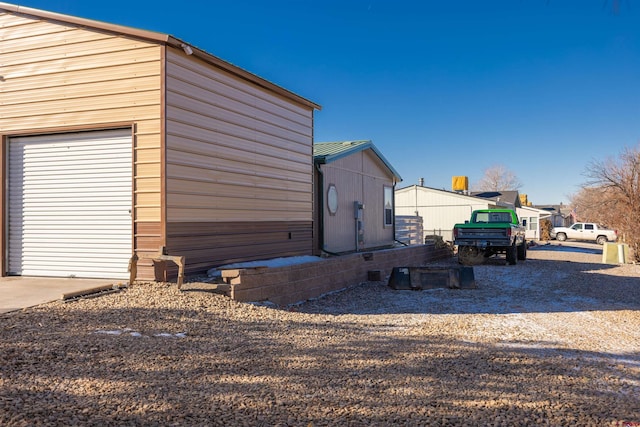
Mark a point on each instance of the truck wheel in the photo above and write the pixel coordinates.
(512, 254)
(522, 251)
(601, 240)
(561, 237)
(470, 255)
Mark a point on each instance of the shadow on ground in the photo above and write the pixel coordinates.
(275, 370)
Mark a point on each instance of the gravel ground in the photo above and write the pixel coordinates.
(551, 341)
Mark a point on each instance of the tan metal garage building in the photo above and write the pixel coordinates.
(118, 141)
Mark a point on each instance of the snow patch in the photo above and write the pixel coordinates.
(131, 332)
(272, 263)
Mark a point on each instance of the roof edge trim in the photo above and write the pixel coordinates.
(84, 22)
(241, 72)
(363, 145)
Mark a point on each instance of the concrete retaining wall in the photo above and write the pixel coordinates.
(295, 283)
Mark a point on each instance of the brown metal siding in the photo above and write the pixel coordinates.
(4, 151)
(234, 150)
(239, 172)
(208, 244)
(149, 238)
(56, 75)
(59, 77)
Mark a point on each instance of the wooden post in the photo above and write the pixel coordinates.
(160, 256)
(133, 268)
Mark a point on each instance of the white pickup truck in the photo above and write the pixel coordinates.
(585, 231)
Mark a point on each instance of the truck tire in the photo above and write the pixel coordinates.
(522, 251)
(470, 255)
(561, 237)
(601, 240)
(512, 254)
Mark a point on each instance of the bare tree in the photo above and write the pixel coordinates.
(498, 178)
(612, 195)
(595, 204)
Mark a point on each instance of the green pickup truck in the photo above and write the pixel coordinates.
(490, 232)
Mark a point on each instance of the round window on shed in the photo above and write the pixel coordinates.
(332, 199)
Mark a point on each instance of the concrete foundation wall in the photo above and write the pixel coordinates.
(295, 283)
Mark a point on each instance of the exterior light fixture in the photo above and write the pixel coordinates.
(187, 49)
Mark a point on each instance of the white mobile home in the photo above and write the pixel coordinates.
(439, 209)
(532, 216)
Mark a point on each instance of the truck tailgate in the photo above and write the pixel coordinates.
(482, 233)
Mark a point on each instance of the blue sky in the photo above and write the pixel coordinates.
(442, 88)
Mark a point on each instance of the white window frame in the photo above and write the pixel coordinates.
(387, 199)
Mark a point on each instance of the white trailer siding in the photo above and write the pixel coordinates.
(439, 209)
(532, 217)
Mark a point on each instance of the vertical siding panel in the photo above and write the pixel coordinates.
(376, 177)
(340, 228)
(358, 177)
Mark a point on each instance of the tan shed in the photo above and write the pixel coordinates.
(118, 141)
(355, 197)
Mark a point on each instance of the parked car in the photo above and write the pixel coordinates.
(585, 231)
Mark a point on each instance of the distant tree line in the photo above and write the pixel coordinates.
(611, 196)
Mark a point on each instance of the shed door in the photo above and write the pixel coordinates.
(70, 204)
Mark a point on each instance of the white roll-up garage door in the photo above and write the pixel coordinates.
(70, 204)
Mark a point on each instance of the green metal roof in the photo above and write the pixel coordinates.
(327, 152)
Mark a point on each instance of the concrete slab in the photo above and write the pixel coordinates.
(18, 292)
